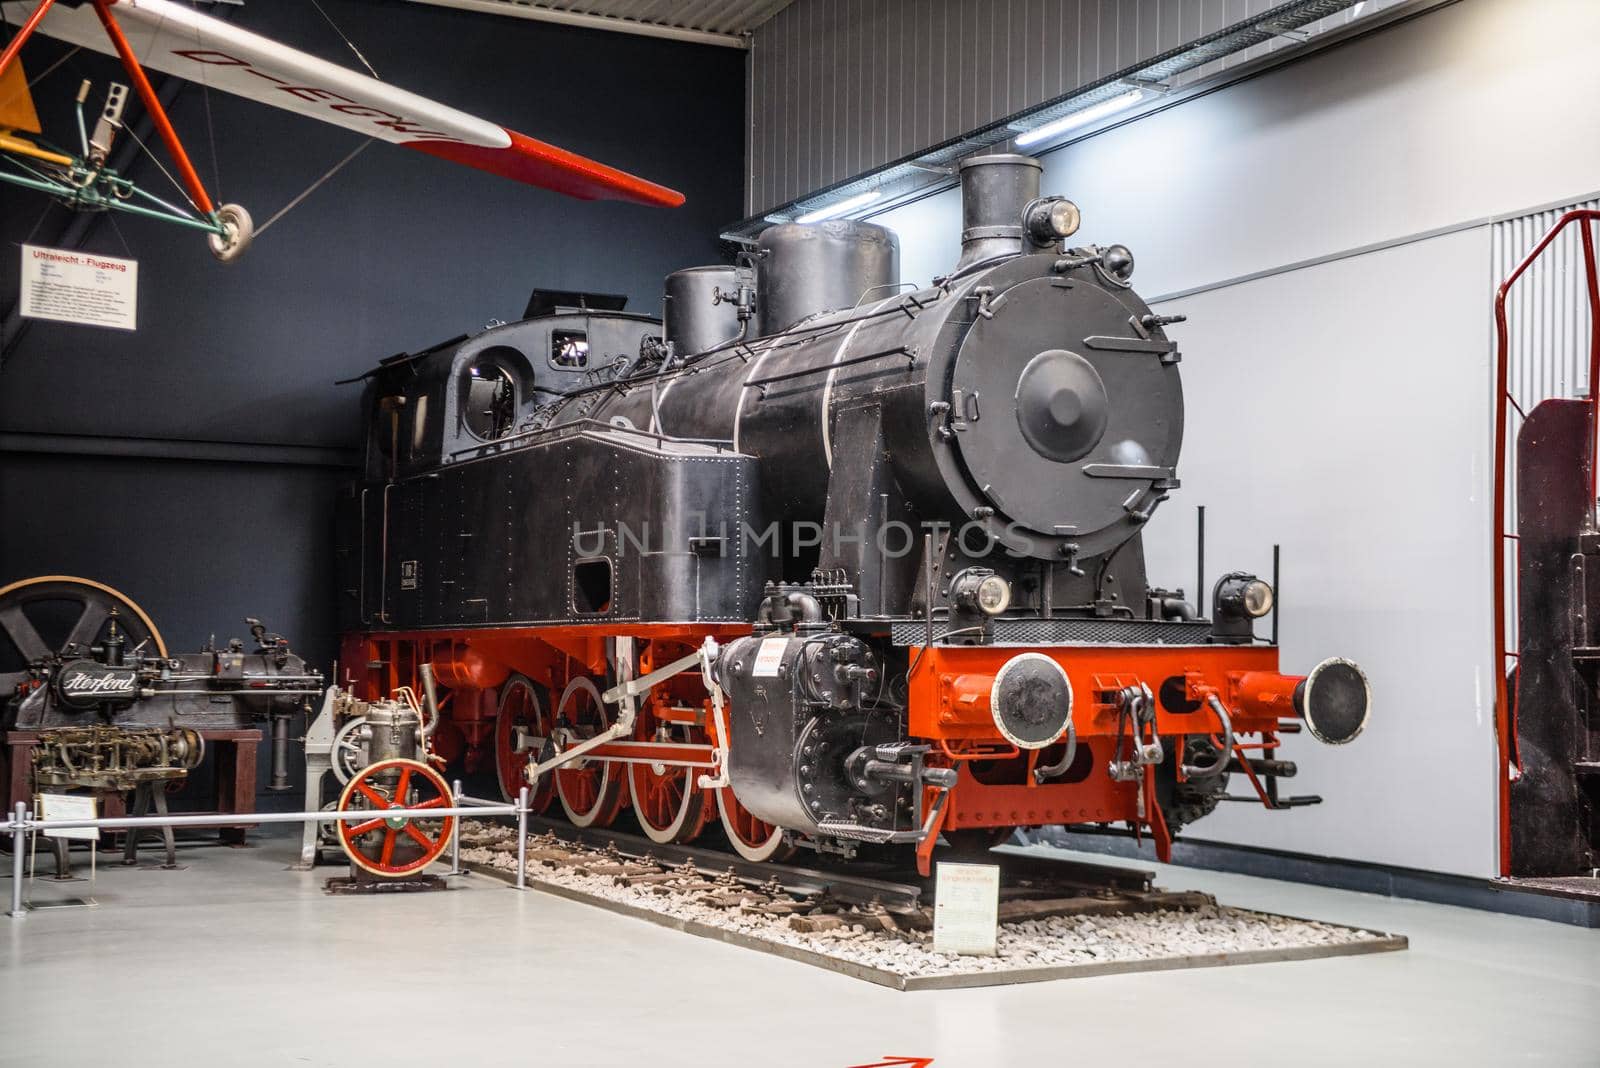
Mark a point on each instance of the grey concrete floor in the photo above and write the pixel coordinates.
(237, 961)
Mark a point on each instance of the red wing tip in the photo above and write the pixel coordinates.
(535, 163)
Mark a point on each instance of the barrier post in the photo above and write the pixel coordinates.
(455, 837)
(18, 817)
(522, 839)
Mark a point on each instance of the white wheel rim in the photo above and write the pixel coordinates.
(512, 791)
(240, 229)
(758, 853)
(668, 834)
(607, 772)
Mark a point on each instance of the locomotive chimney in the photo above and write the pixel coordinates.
(1002, 213)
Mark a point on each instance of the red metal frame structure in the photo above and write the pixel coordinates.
(1504, 723)
(191, 179)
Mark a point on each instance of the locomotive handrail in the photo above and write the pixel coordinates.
(578, 426)
(908, 351)
(1510, 758)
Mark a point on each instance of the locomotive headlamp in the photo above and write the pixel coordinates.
(1257, 598)
(1241, 594)
(1240, 598)
(982, 589)
(1051, 219)
(994, 595)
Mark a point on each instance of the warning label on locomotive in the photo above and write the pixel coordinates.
(408, 574)
(79, 287)
(769, 657)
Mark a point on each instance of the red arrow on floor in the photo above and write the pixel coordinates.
(898, 1062)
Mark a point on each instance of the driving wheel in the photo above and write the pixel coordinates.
(591, 791)
(752, 838)
(667, 799)
(522, 708)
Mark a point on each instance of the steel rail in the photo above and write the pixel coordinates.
(898, 889)
(843, 885)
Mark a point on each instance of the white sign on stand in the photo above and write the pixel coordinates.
(69, 807)
(966, 909)
(79, 287)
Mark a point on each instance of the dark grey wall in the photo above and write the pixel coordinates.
(397, 251)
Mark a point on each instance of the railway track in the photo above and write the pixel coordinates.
(883, 898)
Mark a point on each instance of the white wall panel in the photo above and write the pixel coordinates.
(1342, 411)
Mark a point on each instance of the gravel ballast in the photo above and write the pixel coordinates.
(1054, 947)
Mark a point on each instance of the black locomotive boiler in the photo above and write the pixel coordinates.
(825, 557)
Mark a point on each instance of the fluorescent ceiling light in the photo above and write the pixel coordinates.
(1081, 118)
(846, 205)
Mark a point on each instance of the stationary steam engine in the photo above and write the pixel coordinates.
(87, 667)
(830, 558)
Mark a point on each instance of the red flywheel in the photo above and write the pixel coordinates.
(395, 845)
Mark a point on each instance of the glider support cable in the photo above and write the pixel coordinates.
(346, 38)
(313, 187)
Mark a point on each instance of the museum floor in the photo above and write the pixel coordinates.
(238, 961)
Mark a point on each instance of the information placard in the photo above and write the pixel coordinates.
(68, 807)
(966, 909)
(79, 287)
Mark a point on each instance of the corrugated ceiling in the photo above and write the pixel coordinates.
(689, 19)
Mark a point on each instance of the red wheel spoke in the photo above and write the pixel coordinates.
(374, 796)
(380, 858)
(386, 858)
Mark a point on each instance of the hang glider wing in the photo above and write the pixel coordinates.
(173, 38)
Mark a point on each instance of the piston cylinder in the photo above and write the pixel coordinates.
(394, 732)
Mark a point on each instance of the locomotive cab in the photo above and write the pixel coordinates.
(429, 407)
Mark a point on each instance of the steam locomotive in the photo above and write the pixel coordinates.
(825, 558)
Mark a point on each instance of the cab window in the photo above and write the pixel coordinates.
(569, 349)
